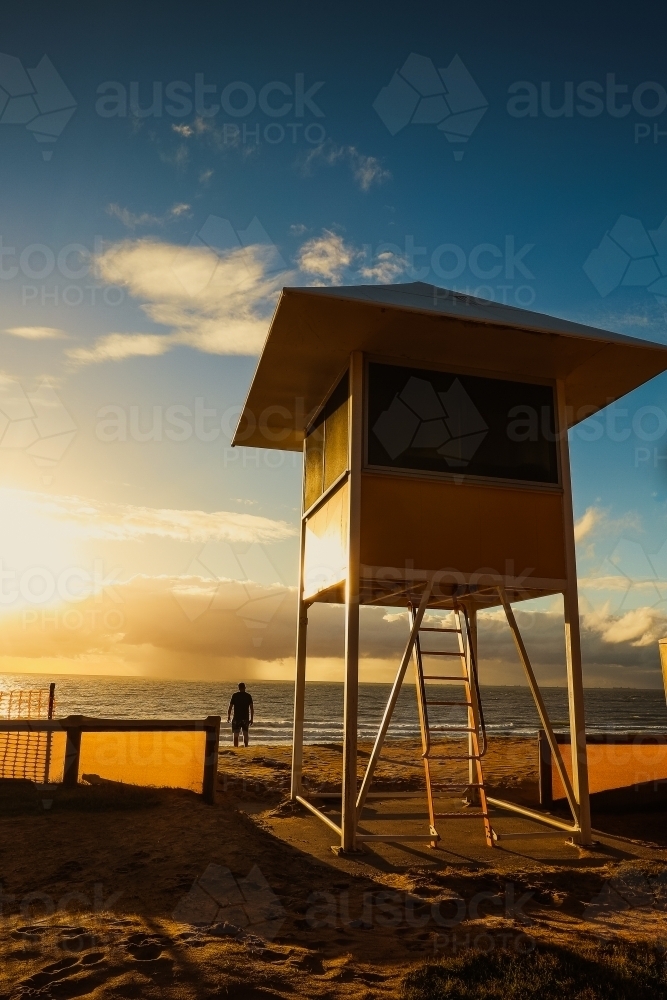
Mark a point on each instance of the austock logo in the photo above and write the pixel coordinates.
(630, 256)
(418, 417)
(243, 908)
(636, 578)
(244, 582)
(35, 422)
(635, 899)
(420, 94)
(217, 239)
(36, 98)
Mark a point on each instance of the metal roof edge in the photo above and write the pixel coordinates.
(512, 318)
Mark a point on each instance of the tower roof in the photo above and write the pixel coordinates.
(314, 331)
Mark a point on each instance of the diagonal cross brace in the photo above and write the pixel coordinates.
(539, 704)
(393, 698)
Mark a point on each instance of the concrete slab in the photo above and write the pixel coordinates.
(462, 847)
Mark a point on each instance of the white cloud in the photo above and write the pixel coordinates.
(173, 624)
(386, 268)
(620, 650)
(639, 627)
(36, 332)
(596, 520)
(330, 259)
(587, 523)
(131, 219)
(326, 256)
(117, 346)
(215, 302)
(178, 158)
(198, 127)
(122, 522)
(366, 170)
(618, 581)
(223, 139)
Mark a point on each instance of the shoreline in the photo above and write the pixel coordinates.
(231, 682)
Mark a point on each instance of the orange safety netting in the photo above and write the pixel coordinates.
(26, 755)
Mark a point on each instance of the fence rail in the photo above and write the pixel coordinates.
(74, 726)
(618, 763)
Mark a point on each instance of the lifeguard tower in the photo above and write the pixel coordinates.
(436, 476)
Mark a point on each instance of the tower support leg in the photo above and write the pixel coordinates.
(300, 673)
(299, 700)
(575, 691)
(575, 684)
(473, 793)
(351, 692)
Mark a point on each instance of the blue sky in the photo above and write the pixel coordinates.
(104, 280)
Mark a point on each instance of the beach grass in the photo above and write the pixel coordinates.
(619, 972)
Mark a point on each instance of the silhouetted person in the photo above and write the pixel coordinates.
(244, 713)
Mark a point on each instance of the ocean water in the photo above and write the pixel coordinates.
(508, 711)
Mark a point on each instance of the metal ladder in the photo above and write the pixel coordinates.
(474, 727)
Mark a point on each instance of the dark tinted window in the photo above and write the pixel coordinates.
(440, 422)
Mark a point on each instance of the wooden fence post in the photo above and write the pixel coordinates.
(210, 780)
(72, 756)
(49, 735)
(545, 769)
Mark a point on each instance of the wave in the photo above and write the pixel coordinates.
(509, 711)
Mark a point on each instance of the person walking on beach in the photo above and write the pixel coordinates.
(244, 714)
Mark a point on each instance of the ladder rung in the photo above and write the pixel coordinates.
(467, 703)
(521, 836)
(440, 652)
(447, 677)
(387, 838)
(446, 760)
(453, 729)
(452, 788)
(457, 630)
(461, 815)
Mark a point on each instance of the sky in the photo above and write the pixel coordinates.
(166, 170)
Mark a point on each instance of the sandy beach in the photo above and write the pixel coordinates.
(119, 891)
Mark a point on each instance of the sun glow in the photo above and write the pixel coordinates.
(41, 560)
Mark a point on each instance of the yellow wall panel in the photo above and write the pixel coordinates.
(617, 765)
(325, 558)
(165, 760)
(468, 528)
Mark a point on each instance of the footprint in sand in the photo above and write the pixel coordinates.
(93, 958)
(70, 977)
(145, 951)
(50, 973)
(75, 940)
(29, 935)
